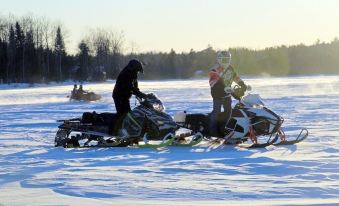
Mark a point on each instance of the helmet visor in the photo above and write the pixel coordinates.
(225, 60)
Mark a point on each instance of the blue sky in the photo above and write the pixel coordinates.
(159, 25)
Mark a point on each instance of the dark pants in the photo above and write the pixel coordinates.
(122, 105)
(215, 124)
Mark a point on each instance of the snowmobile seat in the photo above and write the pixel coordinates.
(86, 118)
(196, 122)
(102, 119)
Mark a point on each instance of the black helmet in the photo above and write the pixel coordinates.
(135, 65)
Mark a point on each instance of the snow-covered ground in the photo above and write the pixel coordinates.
(33, 172)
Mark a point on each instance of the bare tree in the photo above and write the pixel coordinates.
(133, 48)
(100, 45)
(106, 46)
(116, 43)
(46, 28)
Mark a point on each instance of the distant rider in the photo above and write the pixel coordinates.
(74, 92)
(81, 90)
(126, 85)
(221, 77)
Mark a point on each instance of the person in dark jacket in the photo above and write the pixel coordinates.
(127, 85)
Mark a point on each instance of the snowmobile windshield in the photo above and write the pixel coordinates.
(253, 100)
(153, 102)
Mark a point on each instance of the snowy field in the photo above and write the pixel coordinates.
(34, 172)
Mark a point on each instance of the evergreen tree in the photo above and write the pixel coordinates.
(171, 69)
(3, 60)
(20, 53)
(83, 71)
(30, 58)
(11, 65)
(59, 49)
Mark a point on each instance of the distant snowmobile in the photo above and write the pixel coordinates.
(250, 119)
(145, 124)
(84, 95)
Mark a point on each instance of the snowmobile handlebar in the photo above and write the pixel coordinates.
(141, 99)
(149, 96)
(237, 91)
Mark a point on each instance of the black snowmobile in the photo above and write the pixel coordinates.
(147, 122)
(250, 120)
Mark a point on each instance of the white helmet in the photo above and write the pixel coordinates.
(224, 58)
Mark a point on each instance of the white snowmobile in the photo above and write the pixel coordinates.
(250, 120)
(147, 122)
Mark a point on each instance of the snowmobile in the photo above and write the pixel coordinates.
(250, 121)
(147, 125)
(84, 96)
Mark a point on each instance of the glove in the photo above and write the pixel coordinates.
(148, 96)
(238, 93)
(242, 85)
(228, 90)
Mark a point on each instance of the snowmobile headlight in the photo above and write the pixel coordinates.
(158, 107)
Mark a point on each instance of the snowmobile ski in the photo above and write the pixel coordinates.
(181, 142)
(258, 145)
(166, 141)
(240, 143)
(301, 137)
(270, 141)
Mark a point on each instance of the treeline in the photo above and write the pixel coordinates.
(34, 50)
(319, 58)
